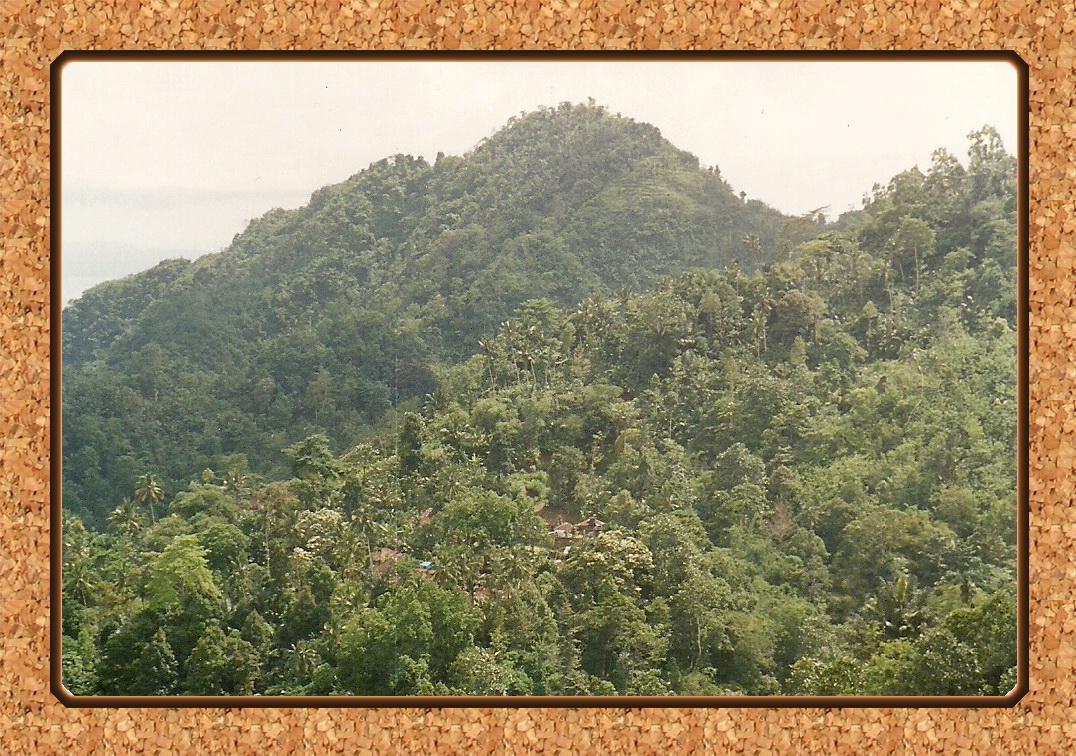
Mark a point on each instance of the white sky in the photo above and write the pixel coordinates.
(169, 159)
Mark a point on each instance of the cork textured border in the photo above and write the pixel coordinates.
(32, 720)
(1019, 98)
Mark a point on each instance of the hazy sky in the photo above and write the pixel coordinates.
(163, 159)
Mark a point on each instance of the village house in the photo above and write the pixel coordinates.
(565, 531)
(383, 559)
(590, 526)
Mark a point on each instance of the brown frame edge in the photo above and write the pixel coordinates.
(625, 702)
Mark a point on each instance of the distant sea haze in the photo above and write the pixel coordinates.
(112, 233)
(84, 266)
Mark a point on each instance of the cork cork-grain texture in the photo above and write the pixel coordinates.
(32, 721)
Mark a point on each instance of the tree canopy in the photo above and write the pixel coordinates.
(537, 421)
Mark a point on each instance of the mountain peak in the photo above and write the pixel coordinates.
(583, 135)
(404, 260)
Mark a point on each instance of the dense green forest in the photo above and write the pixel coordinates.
(324, 318)
(564, 416)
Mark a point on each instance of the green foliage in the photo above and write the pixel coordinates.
(335, 313)
(605, 429)
(479, 672)
(78, 659)
(221, 665)
(181, 592)
(414, 631)
(137, 660)
(180, 577)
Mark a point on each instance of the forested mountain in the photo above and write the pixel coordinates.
(326, 317)
(790, 470)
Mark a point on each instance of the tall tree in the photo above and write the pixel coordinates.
(149, 493)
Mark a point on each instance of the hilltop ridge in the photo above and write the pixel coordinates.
(327, 316)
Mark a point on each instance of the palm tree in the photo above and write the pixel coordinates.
(491, 352)
(125, 518)
(237, 484)
(759, 317)
(80, 580)
(148, 493)
(900, 607)
(456, 568)
(513, 566)
(754, 245)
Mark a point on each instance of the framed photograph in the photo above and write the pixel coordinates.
(540, 380)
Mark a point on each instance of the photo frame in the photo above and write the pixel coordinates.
(778, 700)
(46, 725)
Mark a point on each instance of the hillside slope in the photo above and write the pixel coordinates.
(325, 317)
(800, 480)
